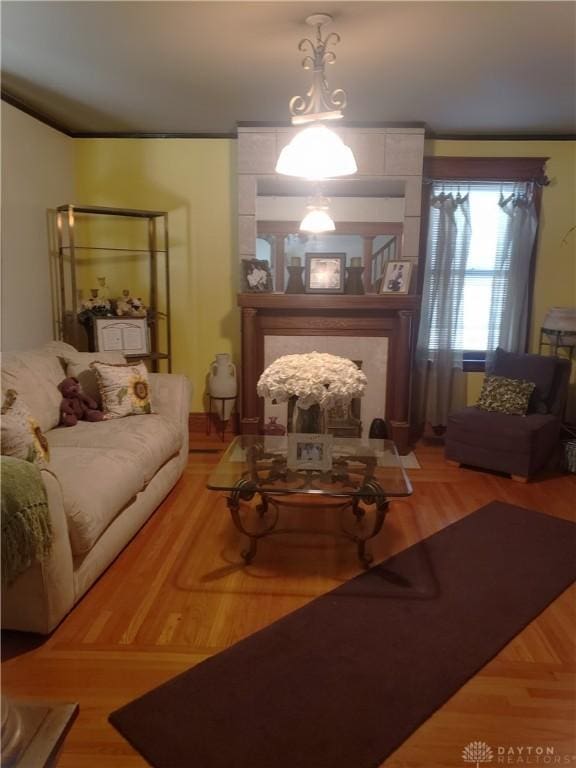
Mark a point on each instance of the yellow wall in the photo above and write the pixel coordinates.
(555, 279)
(37, 171)
(192, 179)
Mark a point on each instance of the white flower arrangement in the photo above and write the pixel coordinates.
(313, 378)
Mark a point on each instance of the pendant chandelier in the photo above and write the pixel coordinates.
(316, 152)
(317, 218)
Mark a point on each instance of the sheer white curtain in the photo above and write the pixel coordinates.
(439, 376)
(508, 324)
(476, 289)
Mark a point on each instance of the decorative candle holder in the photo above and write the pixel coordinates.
(354, 284)
(295, 281)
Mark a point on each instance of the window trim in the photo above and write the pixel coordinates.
(519, 169)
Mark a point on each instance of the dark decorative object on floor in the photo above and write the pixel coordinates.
(378, 430)
(393, 644)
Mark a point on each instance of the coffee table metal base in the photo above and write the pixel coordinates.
(372, 495)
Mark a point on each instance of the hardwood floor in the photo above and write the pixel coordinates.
(179, 593)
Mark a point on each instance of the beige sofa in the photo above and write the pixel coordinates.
(103, 481)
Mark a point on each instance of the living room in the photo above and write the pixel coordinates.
(141, 106)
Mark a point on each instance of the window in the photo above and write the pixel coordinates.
(484, 281)
(472, 291)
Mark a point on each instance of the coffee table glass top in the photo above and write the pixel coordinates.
(358, 467)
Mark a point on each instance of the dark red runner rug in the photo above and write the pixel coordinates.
(345, 680)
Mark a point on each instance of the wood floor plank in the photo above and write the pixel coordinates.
(180, 593)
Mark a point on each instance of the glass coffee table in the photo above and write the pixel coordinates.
(361, 473)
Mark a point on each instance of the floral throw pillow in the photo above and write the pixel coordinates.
(20, 433)
(505, 395)
(124, 389)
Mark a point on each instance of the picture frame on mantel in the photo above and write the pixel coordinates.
(325, 272)
(256, 276)
(397, 277)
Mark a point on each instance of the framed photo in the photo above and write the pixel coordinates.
(309, 451)
(256, 276)
(325, 272)
(126, 334)
(397, 277)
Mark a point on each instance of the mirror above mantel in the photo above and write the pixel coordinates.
(368, 215)
(376, 212)
(367, 246)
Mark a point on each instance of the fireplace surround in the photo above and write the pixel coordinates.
(324, 316)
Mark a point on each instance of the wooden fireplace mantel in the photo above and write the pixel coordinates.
(334, 301)
(392, 316)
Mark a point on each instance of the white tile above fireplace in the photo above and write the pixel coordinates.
(371, 350)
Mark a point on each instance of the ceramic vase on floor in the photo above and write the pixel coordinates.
(222, 383)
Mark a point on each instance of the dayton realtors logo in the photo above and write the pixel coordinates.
(478, 753)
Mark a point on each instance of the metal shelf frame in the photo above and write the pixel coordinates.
(65, 293)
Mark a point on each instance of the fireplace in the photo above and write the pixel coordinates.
(373, 354)
(378, 329)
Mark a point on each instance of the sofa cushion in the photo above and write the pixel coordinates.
(536, 368)
(151, 440)
(124, 389)
(35, 375)
(96, 486)
(505, 395)
(77, 364)
(20, 434)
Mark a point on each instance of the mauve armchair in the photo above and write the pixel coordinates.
(517, 445)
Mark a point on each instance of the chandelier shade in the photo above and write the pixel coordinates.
(316, 153)
(318, 217)
(317, 221)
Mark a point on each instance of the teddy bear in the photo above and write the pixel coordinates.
(76, 405)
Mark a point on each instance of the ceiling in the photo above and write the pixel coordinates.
(461, 68)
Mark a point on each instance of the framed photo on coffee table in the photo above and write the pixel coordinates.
(309, 451)
(325, 272)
